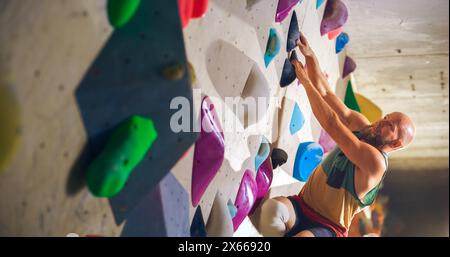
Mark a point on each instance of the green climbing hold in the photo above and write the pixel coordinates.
(174, 72)
(121, 11)
(126, 147)
(350, 99)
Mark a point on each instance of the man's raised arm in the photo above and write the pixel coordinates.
(353, 120)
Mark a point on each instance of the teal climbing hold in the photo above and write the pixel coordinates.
(120, 12)
(263, 153)
(319, 3)
(273, 46)
(309, 155)
(297, 120)
(341, 42)
(127, 146)
(232, 208)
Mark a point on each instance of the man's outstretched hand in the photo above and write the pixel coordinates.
(304, 47)
(300, 71)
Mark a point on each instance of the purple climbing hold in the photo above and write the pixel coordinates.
(335, 16)
(209, 151)
(283, 9)
(245, 198)
(326, 141)
(349, 66)
(264, 177)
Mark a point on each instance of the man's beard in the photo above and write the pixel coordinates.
(373, 138)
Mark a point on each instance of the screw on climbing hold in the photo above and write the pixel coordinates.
(273, 46)
(349, 66)
(173, 72)
(334, 16)
(341, 42)
(120, 12)
(288, 73)
(293, 33)
(125, 149)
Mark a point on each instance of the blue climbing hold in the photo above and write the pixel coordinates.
(297, 120)
(263, 153)
(341, 42)
(198, 228)
(288, 72)
(319, 3)
(309, 155)
(273, 46)
(293, 33)
(232, 208)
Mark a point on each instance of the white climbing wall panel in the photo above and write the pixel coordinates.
(45, 60)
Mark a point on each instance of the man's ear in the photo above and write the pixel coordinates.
(396, 144)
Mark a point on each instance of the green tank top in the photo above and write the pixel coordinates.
(341, 174)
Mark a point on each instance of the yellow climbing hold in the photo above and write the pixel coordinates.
(9, 126)
(368, 108)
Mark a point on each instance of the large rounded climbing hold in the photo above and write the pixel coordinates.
(273, 46)
(288, 73)
(334, 33)
(245, 198)
(263, 152)
(326, 141)
(349, 66)
(335, 16)
(319, 3)
(297, 120)
(10, 134)
(199, 8)
(293, 33)
(279, 157)
(341, 42)
(209, 151)
(125, 149)
(283, 9)
(309, 155)
(120, 12)
(368, 108)
(350, 99)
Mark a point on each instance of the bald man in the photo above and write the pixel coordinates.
(348, 179)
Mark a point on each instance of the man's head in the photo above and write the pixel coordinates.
(393, 132)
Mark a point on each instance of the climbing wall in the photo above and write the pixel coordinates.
(63, 60)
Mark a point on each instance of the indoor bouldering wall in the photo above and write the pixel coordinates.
(78, 69)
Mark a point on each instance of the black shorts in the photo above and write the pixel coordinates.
(303, 223)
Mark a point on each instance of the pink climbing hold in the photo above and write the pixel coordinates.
(335, 16)
(349, 66)
(334, 33)
(326, 141)
(209, 151)
(245, 198)
(264, 177)
(283, 9)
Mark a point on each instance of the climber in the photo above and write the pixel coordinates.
(349, 178)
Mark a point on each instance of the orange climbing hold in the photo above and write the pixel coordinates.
(334, 33)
